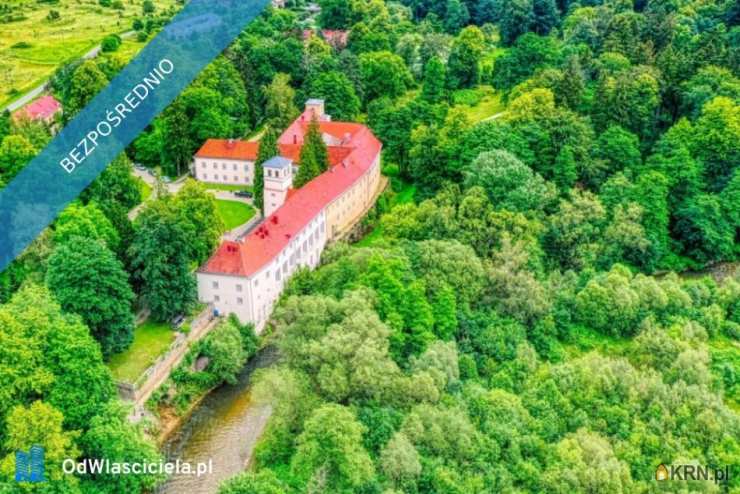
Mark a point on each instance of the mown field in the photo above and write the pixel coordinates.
(33, 46)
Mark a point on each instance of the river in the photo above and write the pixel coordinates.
(224, 428)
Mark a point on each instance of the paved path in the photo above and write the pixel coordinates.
(38, 90)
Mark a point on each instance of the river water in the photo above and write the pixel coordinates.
(224, 428)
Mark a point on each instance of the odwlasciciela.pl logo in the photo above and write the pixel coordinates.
(718, 475)
(29, 465)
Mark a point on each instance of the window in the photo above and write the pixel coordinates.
(238, 288)
(203, 165)
(246, 168)
(217, 298)
(223, 166)
(215, 166)
(240, 301)
(215, 285)
(234, 166)
(205, 176)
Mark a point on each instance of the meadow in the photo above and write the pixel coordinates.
(33, 44)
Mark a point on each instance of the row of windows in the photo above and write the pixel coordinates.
(224, 178)
(225, 166)
(239, 300)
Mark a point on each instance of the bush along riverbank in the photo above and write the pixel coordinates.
(216, 359)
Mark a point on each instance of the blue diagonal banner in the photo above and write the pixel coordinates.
(100, 132)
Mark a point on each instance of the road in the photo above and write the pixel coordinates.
(39, 90)
(174, 188)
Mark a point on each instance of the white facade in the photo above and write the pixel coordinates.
(251, 298)
(224, 171)
(278, 178)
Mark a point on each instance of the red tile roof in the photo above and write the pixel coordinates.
(229, 149)
(43, 108)
(262, 245)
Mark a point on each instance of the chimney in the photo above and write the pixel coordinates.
(315, 107)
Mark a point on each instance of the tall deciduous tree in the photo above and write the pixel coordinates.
(463, 66)
(383, 74)
(159, 256)
(198, 217)
(339, 94)
(280, 109)
(330, 455)
(87, 279)
(435, 76)
(15, 152)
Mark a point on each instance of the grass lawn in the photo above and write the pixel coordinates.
(150, 341)
(31, 49)
(234, 213)
(145, 188)
(479, 104)
(228, 187)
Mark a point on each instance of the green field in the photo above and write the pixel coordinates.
(31, 49)
(150, 341)
(481, 103)
(234, 213)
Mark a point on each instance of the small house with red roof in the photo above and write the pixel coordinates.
(245, 277)
(43, 109)
(226, 161)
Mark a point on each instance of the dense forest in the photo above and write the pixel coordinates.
(518, 318)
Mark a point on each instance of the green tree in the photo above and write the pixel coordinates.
(280, 109)
(529, 54)
(335, 14)
(178, 144)
(717, 133)
(15, 153)
(314, 158)
(116, 186)
(510, 184)
(705, 229)
(85, 221)
(49, 353)
(111, 43)
(40, 424)
(339, 94)
(435, 76)
(463, 66)
(456, 16)
(198, 217)
(86, 82)
(262, 482)
(87, 279)
(159, 257)
(383, 74)
(517, 18)
(110, 436)
(329, 454)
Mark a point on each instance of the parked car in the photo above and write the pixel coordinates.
(243, 193)
(140, 167)
(178, 321)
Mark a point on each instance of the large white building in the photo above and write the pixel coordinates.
(245, 277)
(223, 161)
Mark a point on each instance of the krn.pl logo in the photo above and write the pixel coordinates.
(29, 466)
